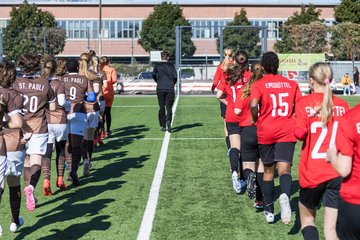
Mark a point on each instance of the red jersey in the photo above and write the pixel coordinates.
(220, 74)
(245, 115)
(313, 169)
(232, 94)
(348, 143)
(277, 96)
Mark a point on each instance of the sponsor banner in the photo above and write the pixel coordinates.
(299, 62)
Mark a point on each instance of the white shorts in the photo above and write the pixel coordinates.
(57, 132)
(37, 144)
(77, 123)
(92, 119)
(15, 163)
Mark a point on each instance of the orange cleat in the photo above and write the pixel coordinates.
(47, 188)
(60, 183)
(102, 134)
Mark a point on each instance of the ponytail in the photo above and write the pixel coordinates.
(256, 75)
(228, 53)
(326, 111)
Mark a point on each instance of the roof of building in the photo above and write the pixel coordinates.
(180, 2)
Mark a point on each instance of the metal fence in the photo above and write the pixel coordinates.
(196, 70)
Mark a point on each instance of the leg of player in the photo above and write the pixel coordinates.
(169, 101)
(161, 113)
(234, 157)
(308, 227)
(259, 204)
(330, 217)
(89, 148)
(27, 170)
(35, 172)
(68, 158)
(46, 169)
(15, 202)
(285, 191)
(76, 142)
(60, 162)
(268, 191)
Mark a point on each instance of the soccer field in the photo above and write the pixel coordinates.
(196, 199)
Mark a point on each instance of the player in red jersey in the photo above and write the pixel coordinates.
(317, 119)
(12, 140)
(229, 91)
(249, 143)
(221, 74)
(345, 158)
(38, 96)
(275, 96)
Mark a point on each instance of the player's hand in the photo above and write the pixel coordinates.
(213, 88)
(331, 154)
(26, 138)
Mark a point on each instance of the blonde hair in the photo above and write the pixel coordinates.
(228, 54)
(257, 73)
(48, 66)
(322, 73)
(83, 67)
(95, 63)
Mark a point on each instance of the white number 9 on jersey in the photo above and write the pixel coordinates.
(72, 93)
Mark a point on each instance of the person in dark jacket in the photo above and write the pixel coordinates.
(165, 76)
(356, 80)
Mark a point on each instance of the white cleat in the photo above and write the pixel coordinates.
(270, 217)
(0, 231)
(285, 208)
(236, 182)
(86, 169)
(14, 227)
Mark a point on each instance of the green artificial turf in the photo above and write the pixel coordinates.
(196, 197)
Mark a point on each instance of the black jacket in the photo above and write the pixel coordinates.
(356, 78)
(165, 75)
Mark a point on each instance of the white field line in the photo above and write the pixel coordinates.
(156, 106)
(149, 214)
(161, 139)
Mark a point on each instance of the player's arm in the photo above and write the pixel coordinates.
(217, 78)
(61, 100)
(254, 110)
(300, 130)
(221, 96)
(341, 155)
(155, 74)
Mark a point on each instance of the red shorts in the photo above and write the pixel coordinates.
(109, 99)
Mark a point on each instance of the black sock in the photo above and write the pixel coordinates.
(268, 193)
(227, 140)
(15, 202)
(84, 150)
(310, 233)
(285, 184)
(90, 148)
(247, 172)
(1, 193)
(234, 159)
(259, 180)
(241, 170)
(35, 172)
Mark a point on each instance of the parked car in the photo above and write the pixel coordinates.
(142, 84)
(119, 85)
(145, 75)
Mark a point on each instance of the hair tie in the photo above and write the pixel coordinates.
(327, 81)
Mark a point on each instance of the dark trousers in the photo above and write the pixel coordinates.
(165, 99)
(107, 118)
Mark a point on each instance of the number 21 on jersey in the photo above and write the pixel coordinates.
(315, 126)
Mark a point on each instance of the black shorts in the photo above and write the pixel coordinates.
(233, 128)
(222, 109)
(348, 224)
(249, 144)
(277, 152)
(327, 191)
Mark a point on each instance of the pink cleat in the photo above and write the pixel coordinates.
(30, 199)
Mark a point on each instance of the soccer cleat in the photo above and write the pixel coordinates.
(285, 208)
(251, 186)
(168, 126)
(30, 199)
(0, 231)
(163, 129)
(236, 182)
(86, 169)
(75, 179)
(259, 205)
(68, 178)
(100, 141)
(269, 216)
(242, 184)
(47, 187)
(108, 133)
(60, 183)
(14, 227)
(102, 134)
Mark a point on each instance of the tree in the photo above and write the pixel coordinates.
(158, 31)
(243, 37)
(307, 38)
(31, 30)
(306, 16)
(348, 11)
(345, 41)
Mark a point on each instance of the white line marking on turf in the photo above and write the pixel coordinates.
(158, 139)
(149, 214)
(156, 106)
